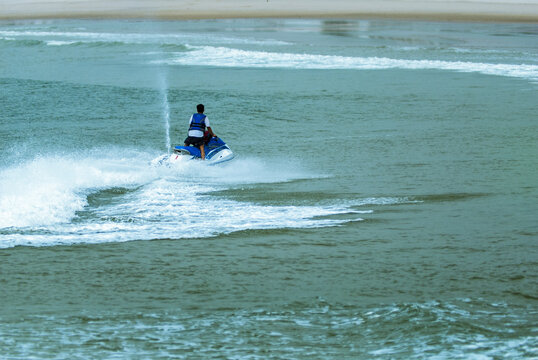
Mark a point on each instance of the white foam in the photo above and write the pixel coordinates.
(138, 38)
(41, 200)
(229, 57)
(49, 190)
(44, 201)
(60, 43)
(242, 170)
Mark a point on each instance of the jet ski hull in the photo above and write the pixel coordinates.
(216, 152)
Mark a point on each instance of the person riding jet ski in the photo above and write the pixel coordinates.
(198, 124)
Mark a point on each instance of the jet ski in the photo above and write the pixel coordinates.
(216, 152)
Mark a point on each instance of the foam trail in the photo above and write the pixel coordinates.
(108, 197)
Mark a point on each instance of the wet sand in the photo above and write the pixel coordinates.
(472, 10)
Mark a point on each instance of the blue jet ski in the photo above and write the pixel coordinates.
(216, 152)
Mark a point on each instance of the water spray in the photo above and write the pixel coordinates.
(166, 111)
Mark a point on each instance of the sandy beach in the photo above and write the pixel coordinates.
(477, 10)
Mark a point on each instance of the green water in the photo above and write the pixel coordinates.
(382, 203)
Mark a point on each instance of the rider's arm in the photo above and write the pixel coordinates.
(211, 131)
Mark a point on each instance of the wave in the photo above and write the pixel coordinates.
(229, 57)
(23, 42)
(139, 38)
(36, 42)
(88, 43)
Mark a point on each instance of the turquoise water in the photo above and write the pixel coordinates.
(382, 203)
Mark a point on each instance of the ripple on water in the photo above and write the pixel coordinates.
(461, 329)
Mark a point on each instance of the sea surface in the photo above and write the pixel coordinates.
(383, 203)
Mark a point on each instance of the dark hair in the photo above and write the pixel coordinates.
(200, 108)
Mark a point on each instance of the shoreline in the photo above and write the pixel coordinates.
(435, 10)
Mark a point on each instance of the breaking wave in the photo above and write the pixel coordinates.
(229, 57)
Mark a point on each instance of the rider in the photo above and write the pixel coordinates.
(197, 125)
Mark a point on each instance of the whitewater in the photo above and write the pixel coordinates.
(91, 199)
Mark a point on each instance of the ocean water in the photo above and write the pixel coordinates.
(383, 203)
